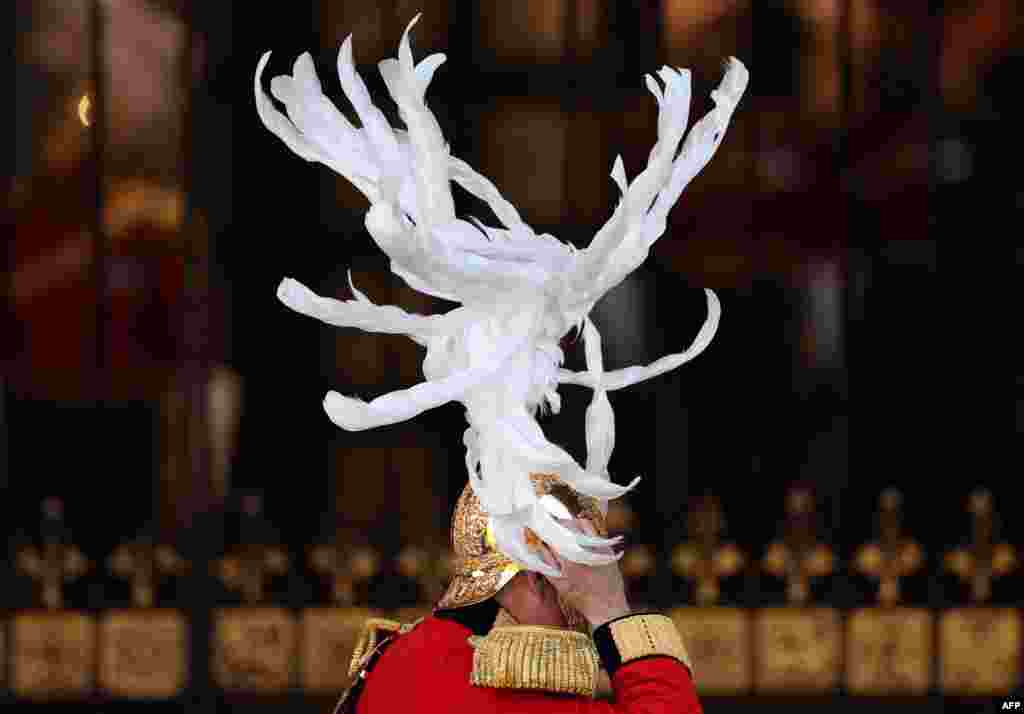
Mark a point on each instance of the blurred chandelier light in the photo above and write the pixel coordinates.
(85, 110)
(519, 292)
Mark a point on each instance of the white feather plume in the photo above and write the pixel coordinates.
(519, 292)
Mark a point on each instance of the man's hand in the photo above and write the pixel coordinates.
(597, 591)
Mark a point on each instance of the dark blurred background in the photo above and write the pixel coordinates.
(153, 384)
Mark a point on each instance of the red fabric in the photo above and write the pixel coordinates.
(427, 671)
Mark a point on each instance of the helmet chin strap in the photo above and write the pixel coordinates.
(505, 619)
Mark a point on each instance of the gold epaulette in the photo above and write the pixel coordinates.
(646, 635)
(371, 637)
(525, 657)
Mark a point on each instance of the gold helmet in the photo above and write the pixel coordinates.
(479, 569)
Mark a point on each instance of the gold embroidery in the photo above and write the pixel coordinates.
(646, 635)
(544, 658)
(370, 638)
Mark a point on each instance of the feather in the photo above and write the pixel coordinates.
(629, 376)
(703, 140)
(378, 131)
(508, 536)
(654, 89)
(356, 415)
(365, 315)
(565, 542)
(600, 433)
(356, 173)
(464, 175)
(405, 48)
(425, 73)
(520, 292)
(598, 487)
(352, 286)
(599, 419)
(592, 349)
(277, 123)
(320, 121)
(421, 285)
(391, 73)
(623, 243)
(619, 174)
(408, 84)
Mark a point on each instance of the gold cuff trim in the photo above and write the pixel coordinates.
(645, 635)
(371, 637)
(527, 657)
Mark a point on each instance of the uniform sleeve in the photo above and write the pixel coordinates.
(649, 668)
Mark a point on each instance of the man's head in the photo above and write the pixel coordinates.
(531, 598)
(482, 572)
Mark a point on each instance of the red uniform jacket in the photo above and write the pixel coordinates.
(427, 671)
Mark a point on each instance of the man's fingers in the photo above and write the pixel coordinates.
(586, 526)
(551, 558)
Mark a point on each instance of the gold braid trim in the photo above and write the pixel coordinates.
(645, 635)
(527, 657)
(371, 637)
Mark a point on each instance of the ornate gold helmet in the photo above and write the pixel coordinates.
(479, 569)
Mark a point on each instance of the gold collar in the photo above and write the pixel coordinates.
(531, 657)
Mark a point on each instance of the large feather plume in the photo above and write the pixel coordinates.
(519, 292)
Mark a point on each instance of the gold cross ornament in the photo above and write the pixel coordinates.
(346, 567)
(53, 650)
(889, 648)
(704, 557)
(798, 648)
(142, 654)
(981, 645)
(717, 637)
(254, 645)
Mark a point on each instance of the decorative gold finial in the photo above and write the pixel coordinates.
(799, 556)
(143, 565)
(56, 562)
(345, 566)
(985, 559)
(250, 565)
(704, 558)
(893, 556)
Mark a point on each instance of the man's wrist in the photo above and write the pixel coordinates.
(638, 635)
